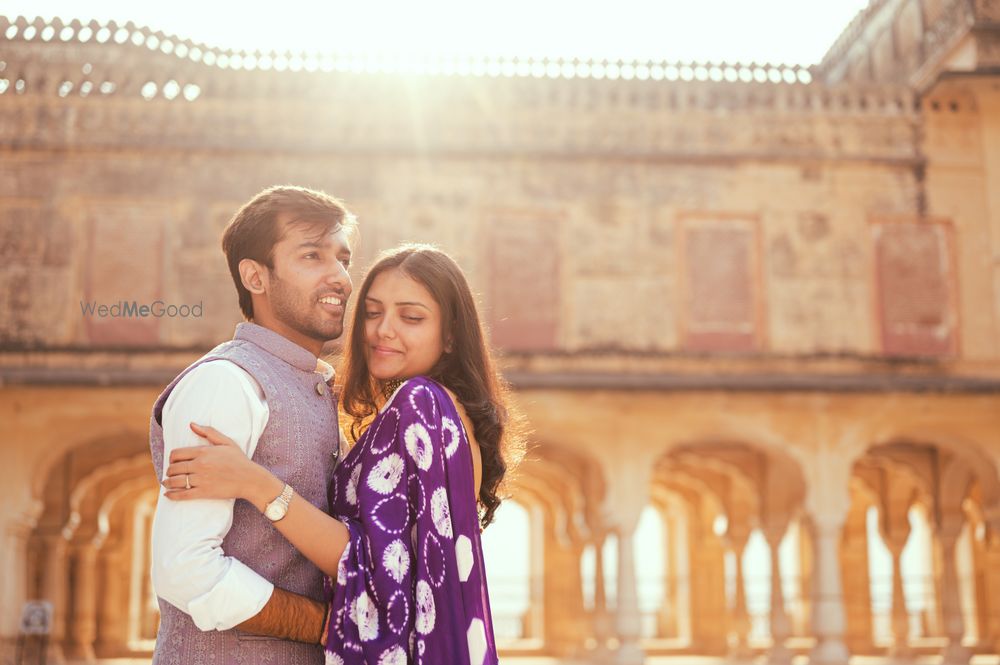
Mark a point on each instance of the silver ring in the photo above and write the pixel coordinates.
(187, 481)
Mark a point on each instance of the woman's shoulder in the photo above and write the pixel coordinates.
(416, 390)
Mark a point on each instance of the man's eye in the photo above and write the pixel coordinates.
(346, 262)
(311, 255)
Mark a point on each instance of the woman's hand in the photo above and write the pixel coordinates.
(219, 471)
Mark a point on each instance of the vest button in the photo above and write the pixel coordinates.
(319, 388)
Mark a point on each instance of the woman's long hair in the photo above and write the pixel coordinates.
(468, 369)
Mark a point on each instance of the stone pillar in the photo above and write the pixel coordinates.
(83, 625)
(628, 620)
(739, 648)
(13, 580)
(54, 581)
(707, 590)
(601, 616)
(111, 626)
(992, 582)
(857, 581)
(828, 618)
(802, 622)
(627, 494)
(896, 531)
(781, 628)
(954, 625)
(981, 573)
(667, 616)
(563, 630)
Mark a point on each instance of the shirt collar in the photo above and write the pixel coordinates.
(283, 348)
(326, 369)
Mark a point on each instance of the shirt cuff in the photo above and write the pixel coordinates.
(239, 595)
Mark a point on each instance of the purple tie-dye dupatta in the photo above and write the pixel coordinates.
(411, 587)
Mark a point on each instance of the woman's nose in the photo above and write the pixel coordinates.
(385, 328)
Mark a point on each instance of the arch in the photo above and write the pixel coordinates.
(727, 429)
(108, 443)
(983, 465)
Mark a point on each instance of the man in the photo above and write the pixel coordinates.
(220, 569)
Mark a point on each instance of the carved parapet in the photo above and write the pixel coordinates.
(123, 92)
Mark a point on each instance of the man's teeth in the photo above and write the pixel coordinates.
(330, 300)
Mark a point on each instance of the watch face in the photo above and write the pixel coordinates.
(275, 511)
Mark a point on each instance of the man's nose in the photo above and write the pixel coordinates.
(338, 276)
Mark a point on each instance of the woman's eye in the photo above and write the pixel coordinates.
(372, 315)
(413, 319)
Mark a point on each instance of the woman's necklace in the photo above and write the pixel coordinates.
(390, 386)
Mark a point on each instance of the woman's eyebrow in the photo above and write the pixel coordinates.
(411, 302)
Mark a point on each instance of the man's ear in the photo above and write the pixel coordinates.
(254, 276)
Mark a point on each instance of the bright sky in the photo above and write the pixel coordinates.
(778, 31)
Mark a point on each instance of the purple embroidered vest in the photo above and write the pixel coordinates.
(299, 445)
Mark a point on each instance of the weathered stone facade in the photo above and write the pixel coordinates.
(763, 301)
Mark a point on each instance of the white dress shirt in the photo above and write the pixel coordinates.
(189, 569)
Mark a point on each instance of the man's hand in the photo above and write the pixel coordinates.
(289, 616)
(221, 470)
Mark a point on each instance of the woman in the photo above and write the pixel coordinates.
(402, 548)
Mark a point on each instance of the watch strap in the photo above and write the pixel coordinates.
(285, 498)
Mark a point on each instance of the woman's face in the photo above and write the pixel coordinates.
(402, 327)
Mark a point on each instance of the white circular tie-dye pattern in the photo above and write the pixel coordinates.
(464, 557)
(418, 445)
(385, 475)
(477, 642)
(397, 600)
(433, 554)
(351, 491)
(426, 613)
(365, 615)
(451, 432)
(396, 560)
(342, 567)
(441, 512)
(389, 514)
(431, 420)
(389, 422)
(333, 659)
(392, 656)
(421, 500)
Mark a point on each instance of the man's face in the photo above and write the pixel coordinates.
(309, 284)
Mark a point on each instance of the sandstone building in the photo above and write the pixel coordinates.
(759, 304)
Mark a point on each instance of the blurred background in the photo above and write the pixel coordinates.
(751, 310)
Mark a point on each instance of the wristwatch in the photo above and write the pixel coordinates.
(277, 509)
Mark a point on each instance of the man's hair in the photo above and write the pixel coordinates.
(254, 230)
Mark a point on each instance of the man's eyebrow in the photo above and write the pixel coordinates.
(312, 243)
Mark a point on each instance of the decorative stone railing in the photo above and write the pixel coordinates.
(77, 33)
(63, 78)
